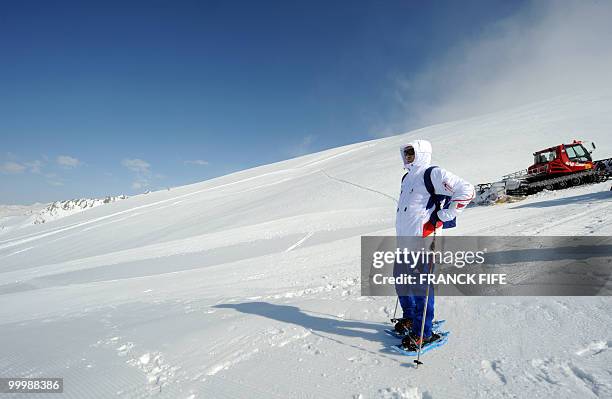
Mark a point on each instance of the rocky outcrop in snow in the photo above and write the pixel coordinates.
(60, 209)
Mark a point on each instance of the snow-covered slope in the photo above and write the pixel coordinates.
(16, 216)
(19, 216)
(248, 285)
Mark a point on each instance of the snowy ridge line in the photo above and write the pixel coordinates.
(60, 209)
(357, 147)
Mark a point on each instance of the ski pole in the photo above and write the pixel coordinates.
(431, 266)
(395, 311)
(394, 319)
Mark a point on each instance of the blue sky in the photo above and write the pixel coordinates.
(102, 98)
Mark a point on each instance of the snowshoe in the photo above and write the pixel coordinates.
(410, 347)
(411, 342)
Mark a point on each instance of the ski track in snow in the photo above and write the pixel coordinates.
(297, 244)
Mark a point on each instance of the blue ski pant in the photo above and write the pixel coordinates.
(413, 306)
(412, 300)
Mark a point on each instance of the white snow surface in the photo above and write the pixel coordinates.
(15, 216)
(247, 285)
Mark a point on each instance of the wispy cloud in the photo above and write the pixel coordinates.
(199, 162)
(547, 49)
(137, 165)
(14, 166)
(142, 170)
(11, 167)
(34, 166)
(56, 183)
(67, 161)
(53, 179)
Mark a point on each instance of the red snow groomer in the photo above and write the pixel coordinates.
(559, 167)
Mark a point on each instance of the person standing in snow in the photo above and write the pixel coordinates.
(420, 212)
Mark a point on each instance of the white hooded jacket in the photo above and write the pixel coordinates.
(412, 217)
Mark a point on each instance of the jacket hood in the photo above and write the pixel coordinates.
(422, 156)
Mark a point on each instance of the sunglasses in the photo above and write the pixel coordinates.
(409, 152)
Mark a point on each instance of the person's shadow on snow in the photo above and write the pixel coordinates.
(317, 324)
(349, 328)
(294, 315)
